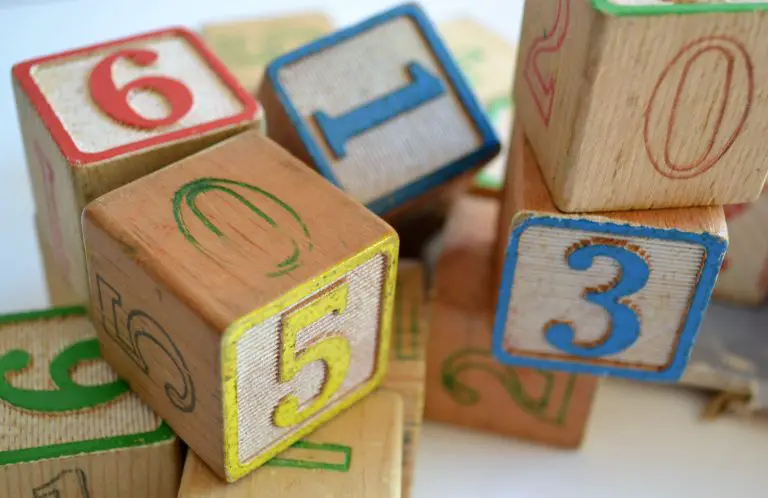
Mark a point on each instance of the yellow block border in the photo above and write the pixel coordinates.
(233, 467)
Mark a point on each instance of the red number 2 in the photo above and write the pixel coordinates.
(114, 101)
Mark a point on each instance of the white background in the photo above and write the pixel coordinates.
(643, 440)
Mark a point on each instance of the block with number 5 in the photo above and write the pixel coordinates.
(380, 109)
(246, 299)
(619, 294)
(98, 117)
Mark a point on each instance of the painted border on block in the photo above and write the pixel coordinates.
(61, 450)
(234, 468)
(489, 147)
(714, 249)
(74, 156)
(608, 7)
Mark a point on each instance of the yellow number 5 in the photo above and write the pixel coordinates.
(334, 351)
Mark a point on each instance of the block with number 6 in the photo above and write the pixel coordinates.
(246, 299)
(98, 117)
(618, 294)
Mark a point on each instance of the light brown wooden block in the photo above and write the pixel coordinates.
(264, 293)
(465, 385)
(632, 107)
(744, 275)
(70, 428)
(98, 117)
(247, 46)
(58, 289)
(616, 294)
(355, 455)
(407, 359)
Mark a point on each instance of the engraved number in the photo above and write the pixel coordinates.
(333, 350)
(624, 325)
(68, 484)
(115, 101)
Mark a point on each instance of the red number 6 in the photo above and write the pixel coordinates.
(114, 101)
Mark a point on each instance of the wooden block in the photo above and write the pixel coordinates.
(70, 428)
(488, 62)
(619, 294)
(633, 107)
(379, 109)
(265, 295)
(355, 455)
(58, 289)
(744, 275)
(247, 46)
(98, 117)
(465, 385)
(407, 359)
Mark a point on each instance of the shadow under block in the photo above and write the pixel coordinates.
(619, 294)
(380, 109)
(246, 47)
(99, 117)
(70, 428)
(633, 107)
(246, 299)
(466, 386)
(407, 359)
(355, 455)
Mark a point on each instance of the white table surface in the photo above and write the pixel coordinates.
(643, 440)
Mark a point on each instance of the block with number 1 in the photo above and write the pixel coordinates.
(98, 117)
(380, 109)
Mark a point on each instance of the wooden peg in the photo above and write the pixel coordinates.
(96, 118)
(243, 297)
(616, 294)
(633, 107)
(354, 455)
(379, 109)
(70, 427)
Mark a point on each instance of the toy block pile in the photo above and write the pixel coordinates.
(223, 222)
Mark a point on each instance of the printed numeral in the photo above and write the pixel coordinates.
(406, 343)
(54, 225)
(68, 484)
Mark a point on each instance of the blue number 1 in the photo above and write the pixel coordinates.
(624, 326)
(339, 129)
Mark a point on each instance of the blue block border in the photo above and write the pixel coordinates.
(714, 248)
(490, 143)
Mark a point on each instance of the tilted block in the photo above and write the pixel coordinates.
(70, 427)
(355, 455)
(242, 296)
(632, 107)
(98, 117)
(380, 109)
(246, 47)
(407, 359)
(618, 294)
(466, 386)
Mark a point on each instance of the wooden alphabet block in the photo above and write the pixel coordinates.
(354, 455)
(59, 292)
(744, 275)
(407, 359)
(98, 117)
(466, 386)
(379, 109)
(242, 296)
(70, 427)
(618, 294)
(633, 107)
(246, 47)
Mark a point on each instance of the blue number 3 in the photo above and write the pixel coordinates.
(624, 325)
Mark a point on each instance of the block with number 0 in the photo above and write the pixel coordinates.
(245, 298)
(380, 109)
(98, 117)
(70, 428)
(635, 105)
(619, 294)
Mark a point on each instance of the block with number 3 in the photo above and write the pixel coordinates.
(98, 117)
(618, 294)
(246, 299)
(380, 109)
